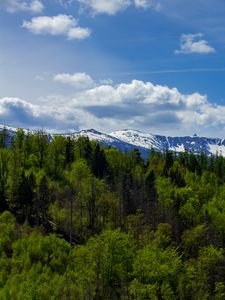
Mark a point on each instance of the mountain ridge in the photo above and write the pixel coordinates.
(129, 139)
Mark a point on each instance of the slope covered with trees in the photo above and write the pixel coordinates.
(83, 222)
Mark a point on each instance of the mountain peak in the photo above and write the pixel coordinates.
(91, 130)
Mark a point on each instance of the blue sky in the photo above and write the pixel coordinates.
(151, 65)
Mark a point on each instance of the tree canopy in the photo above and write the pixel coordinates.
(82, 221)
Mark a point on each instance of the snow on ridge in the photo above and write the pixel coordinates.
(94, 135)
(178, 148)
(147, 141)
(217, 149)
(14, 129)
(136, 138)
(2, 127)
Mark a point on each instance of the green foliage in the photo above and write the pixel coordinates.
(56, 157)
(165, 192)
(156, 273)
(3, 138)
(37, 268)
(88, 222)
(163, 235)
(7, 232)
(198, 280)
(215, 209)
(193, 239)
(4, 171)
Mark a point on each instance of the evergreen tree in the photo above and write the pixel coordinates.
(4, 161)
(98, 162)
(3, 138)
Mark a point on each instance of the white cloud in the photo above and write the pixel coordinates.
(78, 80)
(20, 113)
(144, 105)
(142, 3)
(105, 7)
(147, 3)
(33, 6)
(57, 25)
(78, 33)
(140, 105)
(194, 43)
(136, 92)
(112, 7)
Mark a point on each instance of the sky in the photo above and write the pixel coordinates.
(156, 66)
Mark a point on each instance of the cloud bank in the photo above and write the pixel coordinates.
(64, 25)
(108, 107)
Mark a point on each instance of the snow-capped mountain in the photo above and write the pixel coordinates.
(126, 140)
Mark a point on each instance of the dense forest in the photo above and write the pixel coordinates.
(79, 221)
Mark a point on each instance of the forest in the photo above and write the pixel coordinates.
(81, 221)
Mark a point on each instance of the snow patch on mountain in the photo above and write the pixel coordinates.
(94, 135)
(217, 149)
(137, 138)
(178, 148)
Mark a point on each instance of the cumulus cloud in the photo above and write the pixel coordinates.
(33, 6)
(143, 106)
(77, 80)
(105, 7)
(137, 92)
(57, 25)
(112, 7)
(137, 104)
(194, 43)
(19, 113)
(16, 111)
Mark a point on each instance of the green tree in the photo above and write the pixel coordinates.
(4, 162)
(56, 157)
(98, 162)
(198, 280)
(4, 138)
(83, 149)
(156, 273)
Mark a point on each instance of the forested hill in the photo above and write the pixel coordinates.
(128, 140)
(78, 221)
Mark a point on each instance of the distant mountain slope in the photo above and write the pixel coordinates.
(126, 140)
